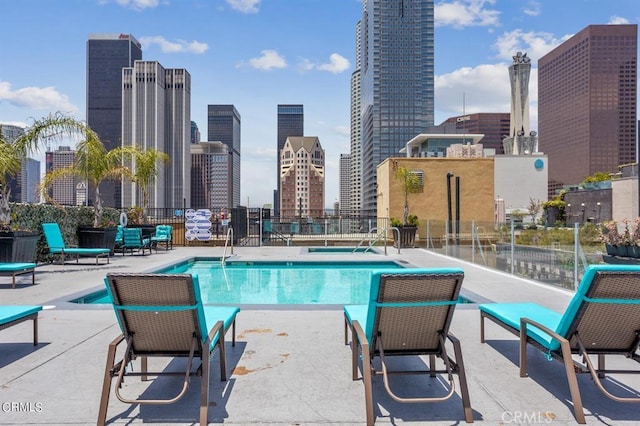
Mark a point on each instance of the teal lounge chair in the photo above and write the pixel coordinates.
(14, 269)
(409, 313)
(132, 240)
(15, 314)
(56, 245)
(602, 318)
(162, 315)
(163, 235)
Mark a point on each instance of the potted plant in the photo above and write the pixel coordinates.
(411, 183)
(611, 237)
(19, 245)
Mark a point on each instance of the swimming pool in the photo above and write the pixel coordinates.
(285, 282)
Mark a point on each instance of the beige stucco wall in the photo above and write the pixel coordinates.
(476, 189)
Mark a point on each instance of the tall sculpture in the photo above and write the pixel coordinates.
(521, 140)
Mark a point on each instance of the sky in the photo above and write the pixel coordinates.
(256, 54)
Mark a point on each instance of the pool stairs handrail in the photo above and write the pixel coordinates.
(382, 234)
(226, 244)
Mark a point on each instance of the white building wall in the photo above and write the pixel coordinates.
(518, 179)
(624, 203)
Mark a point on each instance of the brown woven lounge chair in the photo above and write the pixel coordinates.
(162, 315)
(603, 318)
(409, 313)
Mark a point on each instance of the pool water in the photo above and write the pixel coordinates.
(276, 282)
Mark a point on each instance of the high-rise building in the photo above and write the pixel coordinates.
(290, 123)
(63, 189)
(24, 186)
(302, 177)
(223, 125)
(587, 103)
(211, 177)
(157, 115)
(397, 82)
(344, 186)
(355, 178)
(493, 125)
(107, 55)
(195, 132)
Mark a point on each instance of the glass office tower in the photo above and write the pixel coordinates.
(107, 54)
(397, 82)
(223, 125)
(290, 123)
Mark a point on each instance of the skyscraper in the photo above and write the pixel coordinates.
(107, 55)
(302, 178)
(397, 82)
(223, 125)
(157, 115)
(493, 125)
(63, 189)
(355, 174)
(587, 97)
(344, 185)
(290, 123)
(211, 177)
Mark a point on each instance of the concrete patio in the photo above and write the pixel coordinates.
(290, 365)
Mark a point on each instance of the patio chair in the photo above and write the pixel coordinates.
(162, 315)
(11, 315)
(163, 235)
(602, 318)
(409, 313)
(16, 268)
(56, 245)
(132, 240)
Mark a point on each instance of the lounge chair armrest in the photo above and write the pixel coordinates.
(218, 327)
(523, 329)
(360, 335)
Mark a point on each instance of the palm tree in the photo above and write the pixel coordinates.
(9, 167)
(95, 164)
(11, 155)
(410, 184)
(146, 170)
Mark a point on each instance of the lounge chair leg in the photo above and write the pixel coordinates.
(204, 392)
(601, 365)
(33, 276)
(35, 330)
(462, 378)
(360, 339)
(144, 367)
(106, 383)
(523, 349)
(432, 365)
(223, 353)
(481, 327)
(573, 382)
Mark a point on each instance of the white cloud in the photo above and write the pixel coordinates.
(245, 6)
(134, 4)
(618, 20)
(269, 60)
(337, 64)
(485, 88)
(536, 45)
(533, 8)
(466, 13)
(47, 98)
(179, 46)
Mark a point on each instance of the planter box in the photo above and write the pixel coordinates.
(18, 246)
(89, 237)
(407, 236)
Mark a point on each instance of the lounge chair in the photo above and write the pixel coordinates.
(409, 313)
(602, 318)
(56, 245)
(162, 236)
(11, 315)
(16, 268)
(132, 240)
(162, 315)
